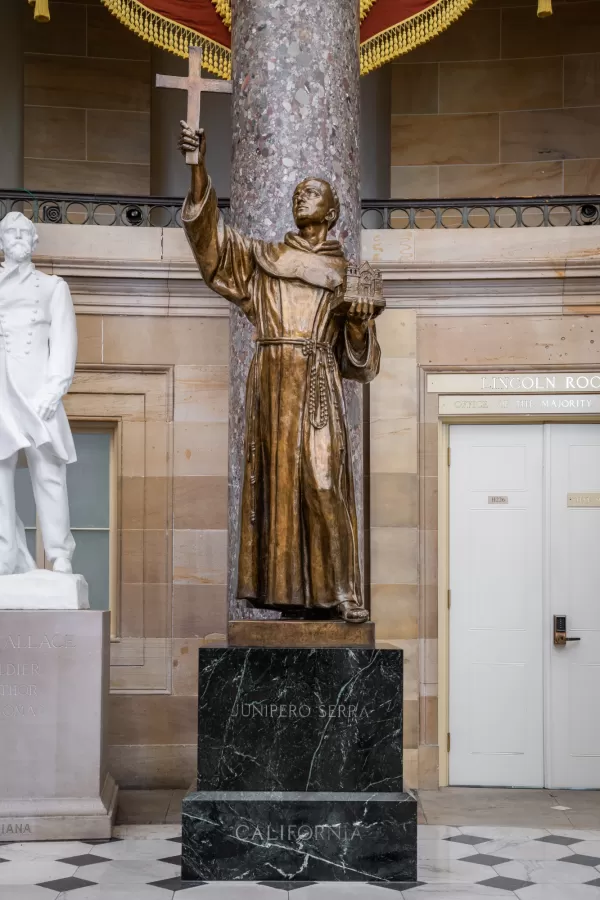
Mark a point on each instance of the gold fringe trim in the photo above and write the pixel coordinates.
(544, 8)
(365, 6)
(378, 50)
(172, 36)
(410, 33)
(223, 7)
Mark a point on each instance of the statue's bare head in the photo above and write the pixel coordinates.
(315, 202)
(18, 237)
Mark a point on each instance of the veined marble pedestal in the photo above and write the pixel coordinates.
(299, 767)
(54, 668)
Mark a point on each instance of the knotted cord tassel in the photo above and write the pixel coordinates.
(41, 12)
(544, 8)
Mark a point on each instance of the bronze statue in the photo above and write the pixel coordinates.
(299, 535)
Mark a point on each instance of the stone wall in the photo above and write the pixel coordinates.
(502, 104)
(154, 360)
(87, 102)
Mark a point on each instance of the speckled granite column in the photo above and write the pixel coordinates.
(295, 114)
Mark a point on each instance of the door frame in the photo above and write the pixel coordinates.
(430, 415)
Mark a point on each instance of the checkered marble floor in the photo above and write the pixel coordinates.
(142, 863)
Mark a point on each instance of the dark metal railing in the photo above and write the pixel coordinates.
(165, 212)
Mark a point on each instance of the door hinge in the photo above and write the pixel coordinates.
(449, 598)
(448, 742)
(449, 455)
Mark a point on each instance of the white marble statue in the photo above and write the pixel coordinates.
(38, 348)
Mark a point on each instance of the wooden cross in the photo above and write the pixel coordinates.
(194, 84)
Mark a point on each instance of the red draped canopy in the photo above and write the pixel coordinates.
(389, 28)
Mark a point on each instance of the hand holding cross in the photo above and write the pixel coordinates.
(194, 84)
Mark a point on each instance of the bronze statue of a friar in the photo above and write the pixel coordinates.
(299, 535)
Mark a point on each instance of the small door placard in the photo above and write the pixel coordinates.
(497, 500)
(583, 500)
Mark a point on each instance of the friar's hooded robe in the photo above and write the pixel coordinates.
(299, 534)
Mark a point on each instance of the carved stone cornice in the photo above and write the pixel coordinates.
(479, 287)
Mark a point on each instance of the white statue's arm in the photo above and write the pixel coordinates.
(63, 351)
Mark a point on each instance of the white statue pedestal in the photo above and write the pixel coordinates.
(54, 668)
(41, 589)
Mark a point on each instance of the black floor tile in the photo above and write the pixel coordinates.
(506, 884)
(62, 885)
(485, 859)
(286, 885)
(176, 884)
(398, 885)
(86, 859)
(466, 839)
(580, 860)
(558, 839)
(173, 860)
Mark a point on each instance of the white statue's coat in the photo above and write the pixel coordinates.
(38, 348)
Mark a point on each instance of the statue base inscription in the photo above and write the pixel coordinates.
(54, 669)
(283, 633)
(269, 836)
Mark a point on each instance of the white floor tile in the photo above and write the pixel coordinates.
(115, 892)
(524, 849)
(559, 892)
(126, 871)
(452, 871)
(503, 833)
(454, 892)
(139, 849)
(546, 872)
(432, 832)
(444, 850)
(587, 848)
(43, 850)
(33, 871)
(234, 890)
(26, 892)
(336, 891)
(147, 832)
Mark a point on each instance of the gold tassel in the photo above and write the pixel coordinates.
(41, 12)
(544, 8)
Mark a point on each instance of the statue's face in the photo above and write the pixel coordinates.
(313, 203)
(17, 239)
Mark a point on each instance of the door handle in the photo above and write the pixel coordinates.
(560, 632)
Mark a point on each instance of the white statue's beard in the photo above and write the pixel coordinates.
(18, 253)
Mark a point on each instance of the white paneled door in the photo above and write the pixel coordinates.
(573, 527)
(524, 546)
(496, 649)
